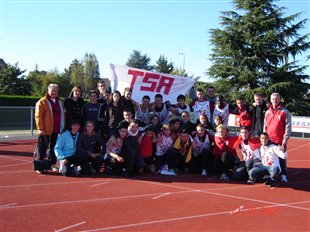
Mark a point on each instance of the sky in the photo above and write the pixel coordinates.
(52, 33)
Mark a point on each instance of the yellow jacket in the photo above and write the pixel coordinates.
(44, 115)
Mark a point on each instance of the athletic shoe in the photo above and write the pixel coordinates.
(283, 178)
(272, 183)
(54, 168)
(92, 170)
(63, 169)
(251, 180)
(204, 172)
(39, 171)
(224, 177)
(167, 172)
(125, 173)
(75, 171)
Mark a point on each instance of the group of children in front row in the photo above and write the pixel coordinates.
(169, 149)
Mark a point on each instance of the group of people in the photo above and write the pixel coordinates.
(114, 134)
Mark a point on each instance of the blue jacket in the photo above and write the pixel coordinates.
(65, 145)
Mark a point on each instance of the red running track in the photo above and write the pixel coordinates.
(51, 202)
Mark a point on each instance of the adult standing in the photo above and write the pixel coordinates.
(73, 106)
(259, 110)
(49, 117)
(211, 96)
(278, 125)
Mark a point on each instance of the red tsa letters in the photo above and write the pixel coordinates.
(151, 82)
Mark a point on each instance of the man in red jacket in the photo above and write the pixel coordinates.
(278, 125)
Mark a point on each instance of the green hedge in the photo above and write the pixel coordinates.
(11, 100)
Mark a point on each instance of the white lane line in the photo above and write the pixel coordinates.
(94, 185)
(9, 157)
(48, 184)
(7, 205)
(185, 218)
(86, 200)
(69, 227)
(12, 165)
(225, 195)
(293, 149)
(161, 195)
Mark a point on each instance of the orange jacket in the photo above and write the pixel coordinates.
(44, 115)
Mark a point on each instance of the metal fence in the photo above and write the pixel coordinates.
(19, 121)
(16, 120)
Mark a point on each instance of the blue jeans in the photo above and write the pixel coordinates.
(261, 170)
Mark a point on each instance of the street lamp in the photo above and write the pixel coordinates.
(181, 53)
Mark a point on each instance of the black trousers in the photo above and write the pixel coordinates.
(227, 161)
(45, 141)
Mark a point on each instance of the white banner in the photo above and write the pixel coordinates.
(299, 124)
(143, 82)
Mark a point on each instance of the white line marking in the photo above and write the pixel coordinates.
(293, 149)
(161, 195)
(298, 161)
(9, 157)
(47, 184)
(11, 165)
(182, 218)
(94, 185)
(85, 201)
(237, 209)
(7, 205)
(69, 227)
(224, 195)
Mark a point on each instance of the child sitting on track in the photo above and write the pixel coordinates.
(270, 165)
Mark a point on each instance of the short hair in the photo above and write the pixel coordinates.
(181, 97)
(199, 90)
(276, 95)
(134, 121)
(244, 128)
(221, 126)
(184, 131)
(93, 91)
(174, 120)
(264, 133)
(165, 127)
(258, 95)
(159, 96)
(148, 128)
(146, 97)
(53, 86)
(211, 87)
(240, 98)
(127, 89)
(101, 82)
(218, 117)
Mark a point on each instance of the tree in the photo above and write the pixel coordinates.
(163, 66)
(137, 60)
(40, 80)
(91, 72)
(84, 73)
(12, 80)
(251, 53)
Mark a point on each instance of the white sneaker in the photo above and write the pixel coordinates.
(167, 172)
(224, 177)
(283, 178)
(204, 172)
(62, 168)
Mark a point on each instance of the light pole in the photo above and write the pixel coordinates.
(181, 53)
